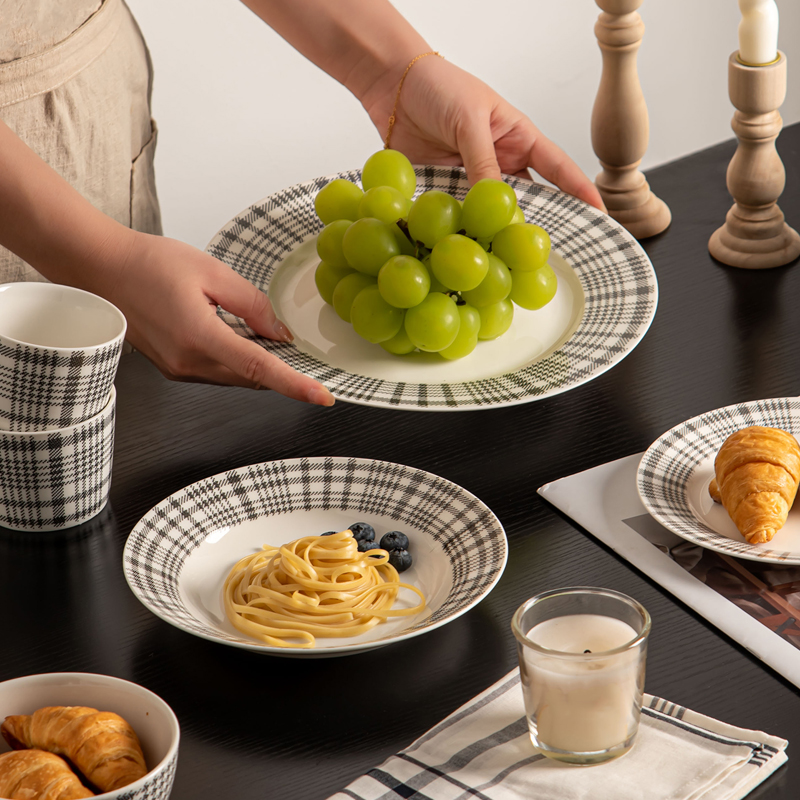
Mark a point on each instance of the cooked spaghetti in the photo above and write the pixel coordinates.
(315, 586)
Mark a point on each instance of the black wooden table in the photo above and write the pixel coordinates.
(260, 727)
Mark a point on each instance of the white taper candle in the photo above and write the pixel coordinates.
(758, 32)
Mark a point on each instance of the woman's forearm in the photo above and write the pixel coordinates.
(363, 44)
(51, 226)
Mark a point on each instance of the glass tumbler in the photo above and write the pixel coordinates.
(582, 653)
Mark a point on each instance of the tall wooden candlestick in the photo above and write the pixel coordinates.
(620, 125)
(755, 235)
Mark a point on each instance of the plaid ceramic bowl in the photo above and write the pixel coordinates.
(57, 479)
(59, 352)
(151, 718)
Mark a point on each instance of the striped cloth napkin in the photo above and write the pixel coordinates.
(482, 752)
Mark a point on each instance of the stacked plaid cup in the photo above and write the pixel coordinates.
(59, 352)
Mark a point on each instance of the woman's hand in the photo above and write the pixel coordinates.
(447, 116)
(169, 292)
(444, 114)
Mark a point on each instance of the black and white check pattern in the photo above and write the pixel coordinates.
(165, 537)
(57, 479)
(47, 389)
(157, 786)
(618, 281)
(483, 752)
(669, 462)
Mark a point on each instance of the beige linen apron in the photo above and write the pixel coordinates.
(83, 105)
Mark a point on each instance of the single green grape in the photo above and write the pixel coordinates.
(434, 215)
(403, 281)
(384, 203)
(329, 242)
(368, 244)
(373, 318)
(459, 262)
(496, 319)
(338, 199)
(467, 337)
(399, 344)
(518, 218)
(389, 168)
(488, 208)
(433, 324)
(327, 276)
(532, 290)
(493, 288)
(524, 247)
(346, 291)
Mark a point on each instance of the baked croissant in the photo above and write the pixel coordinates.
(757, 472)
(37, 775)
(99, 743)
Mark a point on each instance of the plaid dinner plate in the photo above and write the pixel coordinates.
(615, 279)
(675, 471)
(178, 555)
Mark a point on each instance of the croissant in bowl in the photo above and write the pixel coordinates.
(757, 471)
(101, 744)
(28, 774)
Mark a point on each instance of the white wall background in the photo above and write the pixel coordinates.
(241, 114)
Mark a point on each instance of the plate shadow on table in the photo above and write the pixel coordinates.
(314, 696)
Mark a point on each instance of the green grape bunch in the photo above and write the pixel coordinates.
(431, 273)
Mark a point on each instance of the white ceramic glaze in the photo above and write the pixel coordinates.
(60, 317)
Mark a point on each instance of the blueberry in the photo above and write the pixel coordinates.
(363, 546)
(363, 532)
(328, 533)
(394, 540)
(400, 559)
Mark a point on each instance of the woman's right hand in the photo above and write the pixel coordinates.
(169, 292)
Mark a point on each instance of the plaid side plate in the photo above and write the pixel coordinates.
(482, 751)
(668, 464)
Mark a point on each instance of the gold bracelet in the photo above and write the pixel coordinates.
(392, 116)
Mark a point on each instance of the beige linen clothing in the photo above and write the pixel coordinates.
(75, 86)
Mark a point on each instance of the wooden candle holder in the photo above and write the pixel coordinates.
(620, 125)
(755, 235)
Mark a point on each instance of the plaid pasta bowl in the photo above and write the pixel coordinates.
(177, 557)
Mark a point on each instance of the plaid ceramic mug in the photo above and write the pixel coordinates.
(56, 479)
(59, 352)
